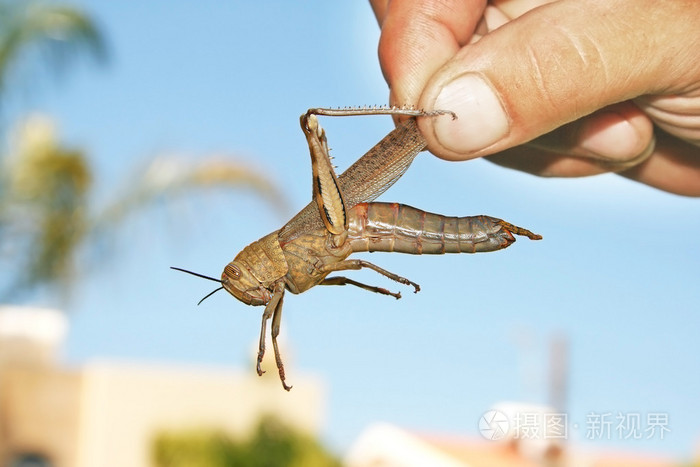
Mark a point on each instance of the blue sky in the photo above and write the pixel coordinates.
(616, 272)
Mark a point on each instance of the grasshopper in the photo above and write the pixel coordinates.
(341, 220)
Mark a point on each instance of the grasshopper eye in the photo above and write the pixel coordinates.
(232, 271)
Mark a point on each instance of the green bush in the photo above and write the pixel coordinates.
(273, 444)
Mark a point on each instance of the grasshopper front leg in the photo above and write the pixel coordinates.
(273, 309)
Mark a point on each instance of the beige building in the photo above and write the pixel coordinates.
(107, 413)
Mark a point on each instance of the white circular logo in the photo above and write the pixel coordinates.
(494, 425)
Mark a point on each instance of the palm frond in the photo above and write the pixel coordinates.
(44, 207)
(168, 177)
(60, 32)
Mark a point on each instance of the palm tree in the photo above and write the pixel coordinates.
(42, 184)
(45, 212)
(57, 33)
(42, 207)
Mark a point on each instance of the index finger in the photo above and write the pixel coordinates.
(419, 37)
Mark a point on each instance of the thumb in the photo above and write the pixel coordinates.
(554, 65)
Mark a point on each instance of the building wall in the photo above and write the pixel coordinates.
(125, 406)
(39, 410)
(107, 414)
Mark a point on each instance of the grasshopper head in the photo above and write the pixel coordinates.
(241, 283)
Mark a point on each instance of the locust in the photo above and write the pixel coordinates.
(342, 219)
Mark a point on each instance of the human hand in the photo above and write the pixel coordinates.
(581, 87)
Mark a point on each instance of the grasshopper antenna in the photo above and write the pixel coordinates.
(196, 274)
(203, 277)
(209, 295)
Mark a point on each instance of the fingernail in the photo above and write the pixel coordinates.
(481, 120)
